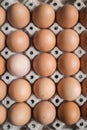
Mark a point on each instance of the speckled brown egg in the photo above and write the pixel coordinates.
(2, 65)
(44, 112)
(2, 16)
(44, 64)
(68, 40)
(44, 88)
(18, 41)
(84, 111)
(44, 40)
(84, 87)
(3, 114)
(68, 64)
(83, 16)
(3, 90)
(84, 63)
(19, 90)
(68, 112)
(43, 16)
(2, 40)
(83, 40)
(69, 88)
(67, 16)
(19, 114)
(18, 15)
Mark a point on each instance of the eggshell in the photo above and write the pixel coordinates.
(84, 87)
(18, 65)
(2, 16)
(19, 90)
(68, 40)
(69, 88)
(67, 16)
(69, 113)
(44, 88)
(44, 112)
(18, 15)
(84, 111)
(68, 64)
(18, 41)
(44, 40)
(43, 16)
(2, 65)
(3, 90)
(83, 16)
(3, 114)
(84, 63)
(44, 64)
(83, 40)
(19, 114)
(2, 40)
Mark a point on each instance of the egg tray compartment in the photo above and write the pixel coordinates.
(32, 76)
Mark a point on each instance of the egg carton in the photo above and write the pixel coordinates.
(32, 76)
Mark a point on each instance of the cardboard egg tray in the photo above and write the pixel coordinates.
(32, 76)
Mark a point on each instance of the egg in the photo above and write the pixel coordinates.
(69, 88)
(83, 40)
(69, 113)
(68, 64)
(3, 114)
(84, 87)
(2, 65)
(67, 16)
(18, 65)
(44, 112)
(19, 90)
(68, 40)
(83, 17)
(19, 114)
(3, 90)
(44, 88)
(18, 41)
(44, 40)
(18, 15)
(43, 16)
(84, 63)
(44, 64)
(84, 111)
(2, 40)
(2, 16)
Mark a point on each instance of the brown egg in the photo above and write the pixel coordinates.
(44, 112)
(69, 88)
(67, 16)
(18, 15)
(2, 16)
(18, 41)
(68, 40)
(44, 64)
(84, 87)
(19, 90)
(83, 16)
(68, 64)
(2, 41)
(84, 63)
(3, 90)
(44, 88)
(19, 114)
(43, 16)
(2, 65)
(83, 40)
(18, 65)
(3, 114)
(44, 40)
(68, 112)
(84, 111)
